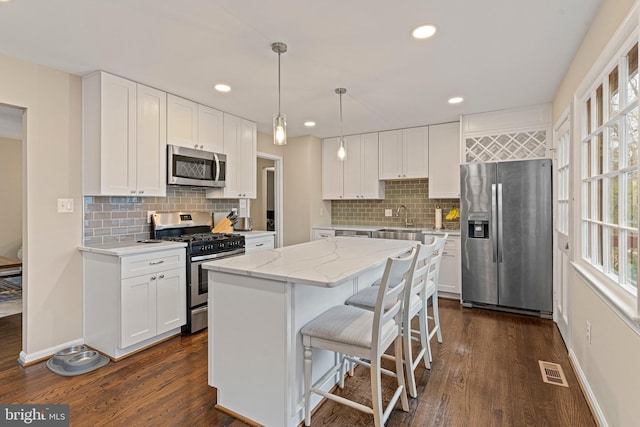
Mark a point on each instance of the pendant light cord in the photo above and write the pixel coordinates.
(278, 83)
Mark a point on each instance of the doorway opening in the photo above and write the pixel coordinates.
(12, 172)
(266, 209)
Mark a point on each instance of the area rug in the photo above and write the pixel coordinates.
(10, 296)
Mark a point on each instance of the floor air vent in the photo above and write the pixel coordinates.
(552, 373)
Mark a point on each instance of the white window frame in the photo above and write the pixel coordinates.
(624, 300)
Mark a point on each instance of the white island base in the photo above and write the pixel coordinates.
(257, 305)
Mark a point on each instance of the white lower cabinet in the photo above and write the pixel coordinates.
(258, 243)
(450, 278)
(133, 301)
(151, 305)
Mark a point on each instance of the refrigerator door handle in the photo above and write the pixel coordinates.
(494, 220)
(500, 231)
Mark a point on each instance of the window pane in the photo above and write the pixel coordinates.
(632, 199)
(632, 259)
(599, 242)
(632, 84)
(614, 147)
(614, 95)
(614, 262)
(598, 142)
(589, 162)
(599, 106)
(598, 200)
(589, 196)
(613, 200)
(588, 118)
(632, 138)
(586, 243)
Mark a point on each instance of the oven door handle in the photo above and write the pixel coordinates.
(218, 255)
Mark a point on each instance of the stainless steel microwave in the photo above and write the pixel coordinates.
(186, 166)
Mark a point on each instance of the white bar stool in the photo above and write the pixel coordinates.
(357, 334)
(415, 304)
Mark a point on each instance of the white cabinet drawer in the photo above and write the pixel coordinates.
(136, 265)
(322, 233)
(257, 244)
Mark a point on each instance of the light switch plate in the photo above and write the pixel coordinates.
(388, 212)
(65, 205)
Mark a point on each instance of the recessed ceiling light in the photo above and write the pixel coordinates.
(456, 100)
(424, 31)
(309, 124)
(222, 87)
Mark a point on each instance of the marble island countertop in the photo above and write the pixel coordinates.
(325, 263)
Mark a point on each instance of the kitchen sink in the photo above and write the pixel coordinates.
(399, 234)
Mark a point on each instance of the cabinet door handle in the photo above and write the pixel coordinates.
(156, 262)
(259, 244)
(153, 277)
(162, 276)
(133, 191)
(141, 191)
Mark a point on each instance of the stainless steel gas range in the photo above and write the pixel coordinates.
(194, 228)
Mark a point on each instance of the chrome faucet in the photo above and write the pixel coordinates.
(406, 216)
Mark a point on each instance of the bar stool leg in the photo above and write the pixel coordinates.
(307, 385)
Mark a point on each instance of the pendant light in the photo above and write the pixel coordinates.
(342, 153)
(279, 120)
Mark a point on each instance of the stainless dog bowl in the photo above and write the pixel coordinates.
(82, 360)
(70, 351)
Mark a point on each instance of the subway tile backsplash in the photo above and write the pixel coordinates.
(414, 194)
(109, 219)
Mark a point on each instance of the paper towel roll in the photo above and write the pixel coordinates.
(438, 218)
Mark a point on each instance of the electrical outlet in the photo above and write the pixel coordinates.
(65, 205)
(149, 215)
(588, 332)
(388, 212)
(234, 210)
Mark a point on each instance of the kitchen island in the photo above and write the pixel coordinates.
(257, 305)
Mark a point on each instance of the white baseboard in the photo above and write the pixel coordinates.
(593, 402)
(26, 359)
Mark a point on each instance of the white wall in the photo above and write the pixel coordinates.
(609, 364)
(11, 196)
(52, 148)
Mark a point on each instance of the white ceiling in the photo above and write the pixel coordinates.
(495, 53)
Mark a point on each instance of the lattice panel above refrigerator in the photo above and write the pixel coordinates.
(513, 146)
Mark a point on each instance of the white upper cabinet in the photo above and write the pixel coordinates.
(361, 168)
(404, 154)
(444, 161)
(240, 147)
(194, 125)
(151, 154)
(332, 170)
(210, 129)
(355, 177)
(122, 120)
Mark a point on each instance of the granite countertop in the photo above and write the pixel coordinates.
(132, 247)
(426, 230)
(325, 263)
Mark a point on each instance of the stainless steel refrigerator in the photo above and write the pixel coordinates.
(506, 235)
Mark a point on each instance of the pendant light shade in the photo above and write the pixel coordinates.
(279, 120)
(342, 152)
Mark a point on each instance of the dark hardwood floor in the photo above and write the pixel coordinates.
(484, 374)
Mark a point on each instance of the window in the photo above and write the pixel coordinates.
(609, 177)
